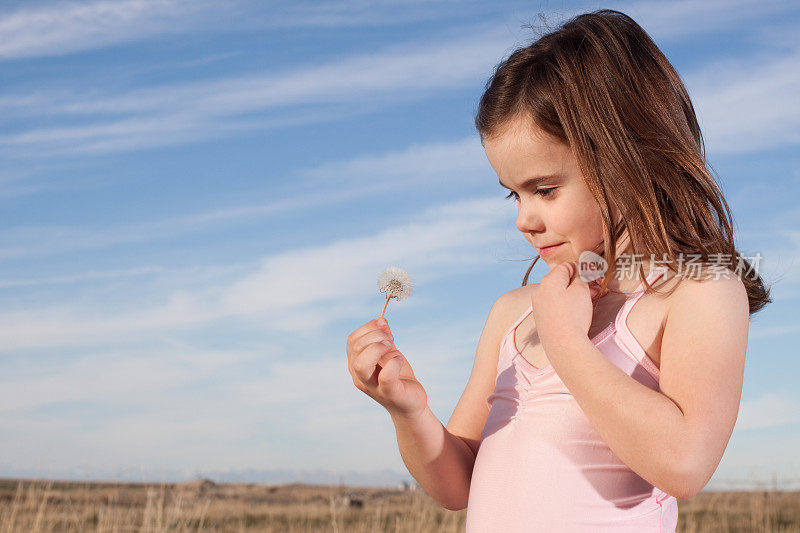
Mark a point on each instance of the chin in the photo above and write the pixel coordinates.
(554, 263)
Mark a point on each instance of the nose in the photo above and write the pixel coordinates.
(528, 220)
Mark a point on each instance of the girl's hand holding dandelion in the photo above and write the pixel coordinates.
(377, 367)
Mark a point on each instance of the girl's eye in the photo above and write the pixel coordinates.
(543, 192)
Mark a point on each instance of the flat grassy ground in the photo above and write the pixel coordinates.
(36, 506)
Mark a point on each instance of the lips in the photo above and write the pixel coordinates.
(549, 249)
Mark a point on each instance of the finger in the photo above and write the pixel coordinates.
(563, 274)
(372, 383)
(373, 335)
(578, 280)
(389, 376)
(375, 323)
(364, 364)
(577, 277)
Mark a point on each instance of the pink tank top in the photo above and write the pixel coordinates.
(541, 465)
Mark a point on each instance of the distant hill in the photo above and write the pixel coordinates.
(378, 478)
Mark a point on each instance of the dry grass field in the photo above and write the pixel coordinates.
(38, 506)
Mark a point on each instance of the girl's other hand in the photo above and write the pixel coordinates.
(562, 305)
(381, 372)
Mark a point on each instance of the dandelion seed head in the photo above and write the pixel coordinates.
(395, 283)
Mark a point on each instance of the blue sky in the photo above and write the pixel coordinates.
(198, 198)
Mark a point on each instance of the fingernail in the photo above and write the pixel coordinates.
(387, 343)
(381, 321)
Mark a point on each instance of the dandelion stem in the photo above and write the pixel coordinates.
(384, 305)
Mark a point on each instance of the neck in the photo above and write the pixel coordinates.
(628, 278)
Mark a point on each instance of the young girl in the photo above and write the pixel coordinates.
(592, 404)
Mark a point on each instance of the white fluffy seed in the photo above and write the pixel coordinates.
(395, 283)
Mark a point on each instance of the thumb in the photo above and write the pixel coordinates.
(388, 376)
(577, 279)
(565, 273)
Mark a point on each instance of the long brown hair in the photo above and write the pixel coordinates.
(599, 84)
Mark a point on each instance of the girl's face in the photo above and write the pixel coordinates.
(559, 208)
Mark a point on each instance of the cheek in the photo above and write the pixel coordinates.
(587, 228)
(587, 221)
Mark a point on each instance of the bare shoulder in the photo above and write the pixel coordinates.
(708, 311)
(507, 308)
(512, 304)
(707, 291)
(518, 300)
(469, 416)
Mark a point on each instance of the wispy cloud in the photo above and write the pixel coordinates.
(673, 20)
(131, 373)
(780, 269)
(61, 28)
(456, 162)
(762, 332)
(67, 27)
(759, 88)
(770, 410)
(37, 241)
(452, 162)
(190, 111)
(129, 403)
(748, 104)
(281, 292)
(171, 396)
(91, 275)
(348, 14)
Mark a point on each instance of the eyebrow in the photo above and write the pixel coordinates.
(535, 180)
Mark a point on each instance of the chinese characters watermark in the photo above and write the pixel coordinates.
(592, 266)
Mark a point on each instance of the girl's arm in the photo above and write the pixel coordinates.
(441, 458)
(440, 461)
(674, 438)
